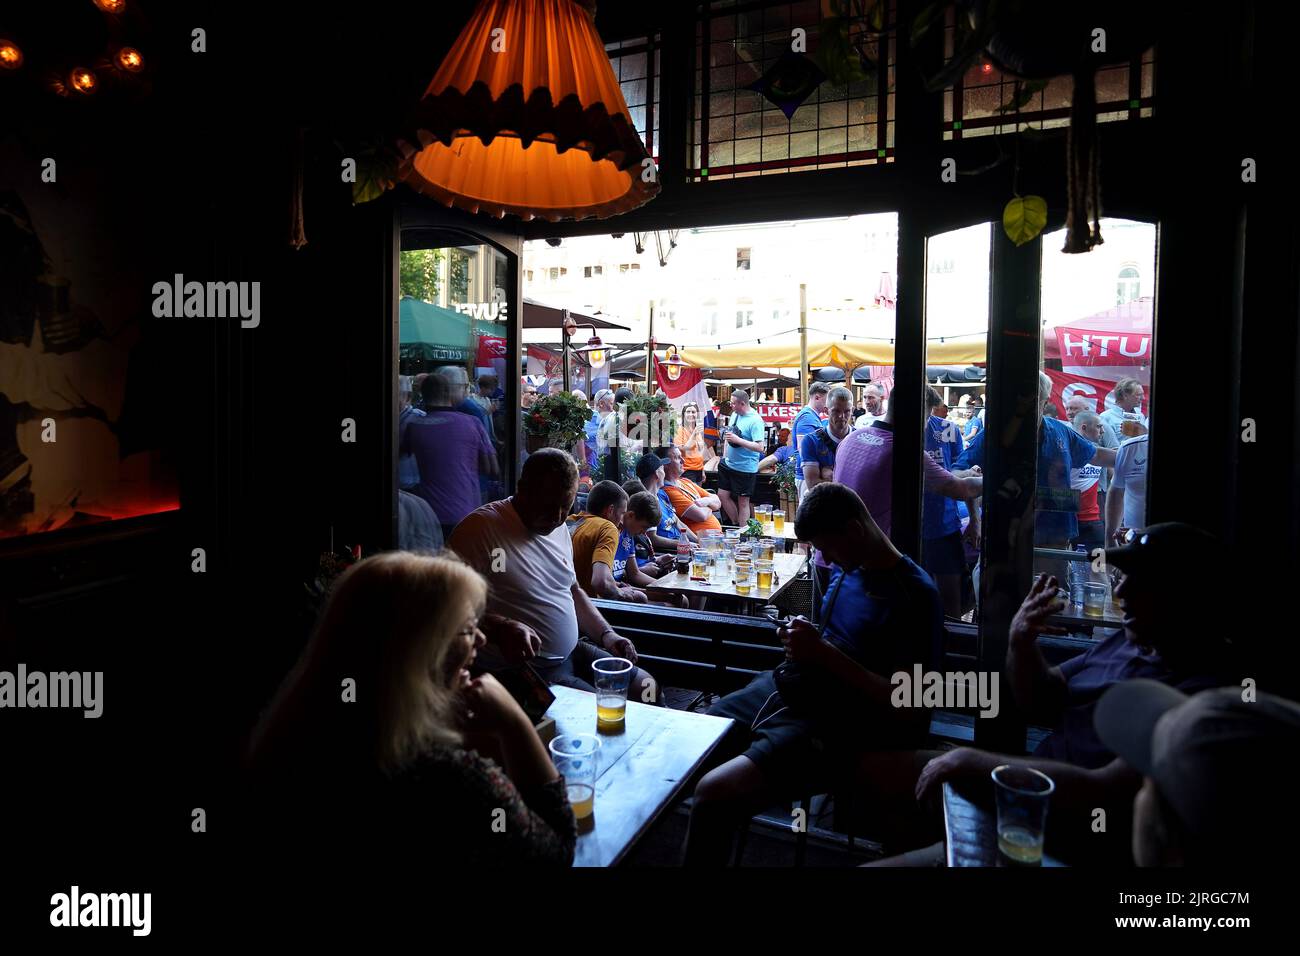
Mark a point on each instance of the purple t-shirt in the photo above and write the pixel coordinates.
(865, 462)
(448, 447)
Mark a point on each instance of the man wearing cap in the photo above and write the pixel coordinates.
(1167, 636)
(1200, 758)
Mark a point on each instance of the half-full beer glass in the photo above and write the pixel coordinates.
(575, 756)
(612, 677)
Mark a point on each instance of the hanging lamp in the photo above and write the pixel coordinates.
(525, 116)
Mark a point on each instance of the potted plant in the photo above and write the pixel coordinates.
(557, 421)
(787, 486)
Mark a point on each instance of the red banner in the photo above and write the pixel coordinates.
(1066, 386)
(490, 348)
(775, 414)
(1085, 347)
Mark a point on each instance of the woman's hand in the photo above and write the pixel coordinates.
(490, 708)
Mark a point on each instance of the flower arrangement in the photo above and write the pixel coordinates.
(559, 420)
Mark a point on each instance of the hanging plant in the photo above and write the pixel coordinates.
(559, 420)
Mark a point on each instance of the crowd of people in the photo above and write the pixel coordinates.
(423, 634)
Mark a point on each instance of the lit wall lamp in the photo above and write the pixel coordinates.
(672, 363)
(129, 59)
(11, 57)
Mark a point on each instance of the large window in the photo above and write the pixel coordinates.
(453, 316)
(957, 326)
(738, 132)
(1092, 475)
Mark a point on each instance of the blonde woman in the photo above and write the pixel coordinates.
(690, 439)
(373, 722)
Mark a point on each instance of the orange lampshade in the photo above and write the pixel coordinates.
(525, 116)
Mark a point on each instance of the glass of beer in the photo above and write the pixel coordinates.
(763, 572)
(744, 576)
(699, 565)
(1094, 598)
(612, 677)
(575, 756)
(769, 549)
(1022, 797)
(1131, 425)
(778, 522)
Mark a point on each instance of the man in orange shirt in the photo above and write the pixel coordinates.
(697, 508)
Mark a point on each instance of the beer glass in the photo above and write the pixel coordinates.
(1094, 599)
(1022, 797)
(744, 576)
(700, 565)
(778, 522)
(763, 572)
(612, 677)
(575, 756)
(769, 549)
(1130, 427)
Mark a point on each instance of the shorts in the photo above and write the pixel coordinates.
(694, 474)
(739, 483)
(575, 670)
(944, 555)
(788, 748)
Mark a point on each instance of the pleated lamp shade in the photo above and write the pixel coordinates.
(535, 127)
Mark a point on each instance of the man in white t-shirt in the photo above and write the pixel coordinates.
(874, 398)
(536, 608)
(1128, 401)
(1126, 502)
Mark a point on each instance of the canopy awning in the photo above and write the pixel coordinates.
(538, 315)
(963, 350)
(434, 333)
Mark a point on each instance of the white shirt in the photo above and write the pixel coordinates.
(530, 578)
(865, 420)
(1131, 475)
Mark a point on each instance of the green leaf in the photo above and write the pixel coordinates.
(1024, 218)
(376, 173)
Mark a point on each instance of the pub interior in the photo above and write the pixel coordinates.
(380, 466)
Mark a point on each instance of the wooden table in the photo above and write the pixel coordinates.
(786, 567)
(642, 771)
(970, 825)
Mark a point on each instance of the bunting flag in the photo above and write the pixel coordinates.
(688, 386)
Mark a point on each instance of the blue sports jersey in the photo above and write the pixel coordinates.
(1060, 448)
(939, 516)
